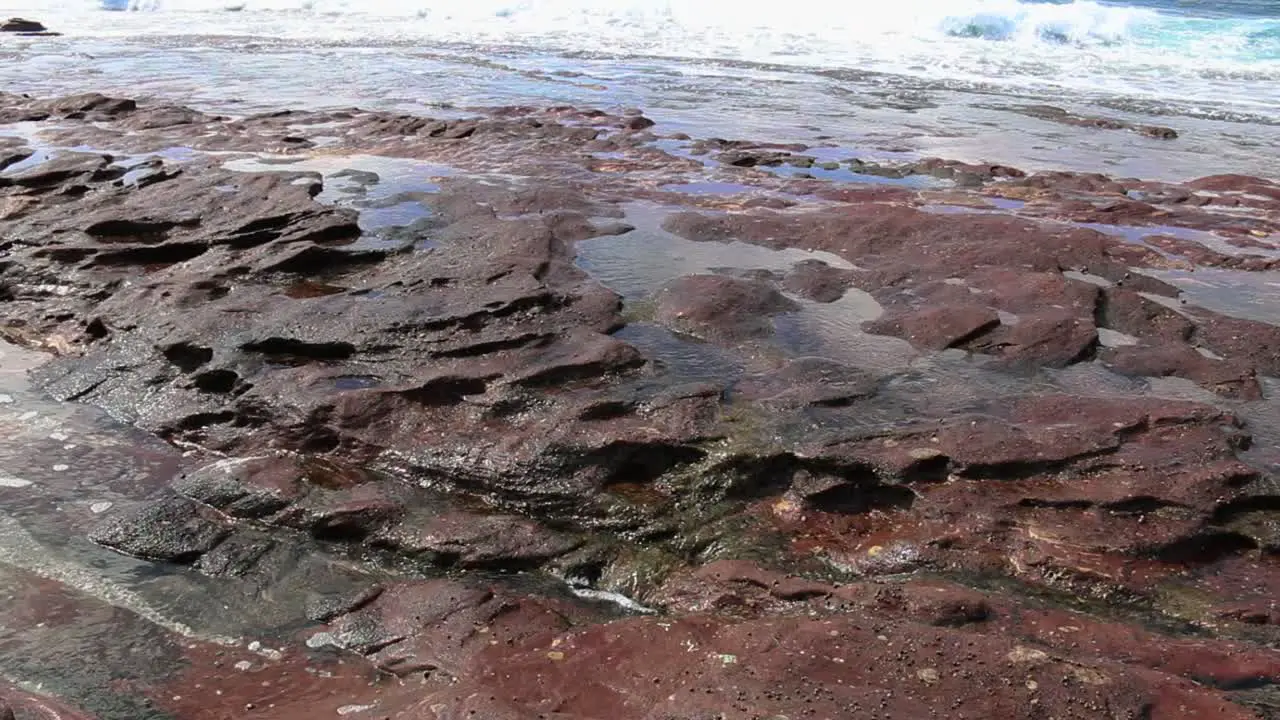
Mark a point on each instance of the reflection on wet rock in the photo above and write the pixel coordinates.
(538, 412)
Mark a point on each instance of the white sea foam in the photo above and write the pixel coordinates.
(838, 21)
(1080, 45)
(753, 29)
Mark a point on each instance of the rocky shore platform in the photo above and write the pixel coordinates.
(546, 413)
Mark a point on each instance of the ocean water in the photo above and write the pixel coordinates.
(912, 76)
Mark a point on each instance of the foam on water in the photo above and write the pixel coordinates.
(1081, 43)
(912, 77)
(1082, 21)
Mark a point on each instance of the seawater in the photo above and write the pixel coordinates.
(919, 75)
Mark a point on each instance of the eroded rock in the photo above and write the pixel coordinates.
(172, 530)
(458, 395)
(720, 307)
(835, 667)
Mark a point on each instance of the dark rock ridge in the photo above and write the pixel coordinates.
(929, 473)
(21, 26)
(1060, 115)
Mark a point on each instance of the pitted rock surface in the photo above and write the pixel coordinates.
(992, 461)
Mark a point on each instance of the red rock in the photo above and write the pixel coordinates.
(438, 625)
(19, 704)
(807, 382)
(247, 487)
(861, 194)
(936, 604)
(1128, 312)
(1229, 183)
(1157, 131)
(1201, 255)
(212, 682)
(1029, 436)
(984, 171)
(776, 584)
(1059, 115)
(835, 667)
(1019, 292)
(469, 540)
(1069, 182)
(1084, 489)
(1246, 340)
(1216, 663)
(938, 328)
(1139, 493)
(580, 355)
(720, 307)
(1051, 338)
(817, 281)
(1228, 378)
(231, 312)
(638, 122)
(351, 513)
(1249, 613)
(1241, 588)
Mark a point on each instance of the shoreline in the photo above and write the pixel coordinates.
(449, 401)
(872, 115)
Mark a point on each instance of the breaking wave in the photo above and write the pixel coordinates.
(1146, 49)
(823, 24)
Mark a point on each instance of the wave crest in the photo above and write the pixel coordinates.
(1077, 23)
(817, 30)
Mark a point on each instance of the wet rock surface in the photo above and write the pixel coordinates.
(485, 417)
(720, 307)
(1065, 117)
(22, 26)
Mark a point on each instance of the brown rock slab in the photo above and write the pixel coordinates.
(836, 667)
(175, 530)
(808, 382)
(1246, 340)
(1233, 379)
(816, 280)
(1232, 183)
(1019, 292)
(433, 627)
(253, 487)
(719, 307)
(938, 328)
(1129, 312)
(1050, 339)
(1215, 663)
(471, 540)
